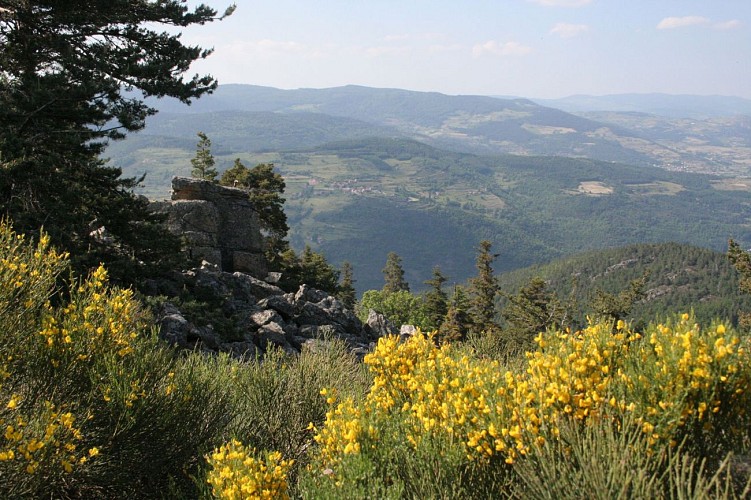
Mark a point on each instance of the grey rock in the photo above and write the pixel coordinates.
(216, 223)
(281, 304)
(308, 294)
(265, 317)
(378, 326)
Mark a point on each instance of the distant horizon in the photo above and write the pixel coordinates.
(549, 49)
(497, 96)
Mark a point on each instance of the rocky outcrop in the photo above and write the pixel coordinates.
(261, 315)
(217, 224)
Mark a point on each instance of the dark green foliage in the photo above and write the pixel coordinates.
(203, 162)
(68, 76)
(346, 292)
(236, 176)
(681, 278)
(533, 310)
(436, 300)
(265, 189)
(457, 321)
(317, 272)
(310, 268)
(393, 274)
(483, 289)
(741, 259)
(400, 307)
(618, 306)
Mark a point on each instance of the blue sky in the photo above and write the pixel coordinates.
(530, 48)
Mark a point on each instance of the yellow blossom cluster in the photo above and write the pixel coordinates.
(96, 321)
(675, 379)
(50, 441)
(236, 473)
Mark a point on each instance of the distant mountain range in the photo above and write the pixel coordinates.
(252, 118)
(667, 105)
(427, 175)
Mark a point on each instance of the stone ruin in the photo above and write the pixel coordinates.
(217, 224)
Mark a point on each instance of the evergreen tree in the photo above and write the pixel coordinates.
(436, 300)
(532, 311)
(236, 176)
(455, 325)
(265, 189)
(310, 268)
(741, 259)
(317, 272)
(203, 162)
(346, 292)
(393, 274)
(618, 306)
(68, 72)
(483, 290)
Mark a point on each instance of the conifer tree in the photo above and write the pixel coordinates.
(73, 75)
(483, 290)
(393, 274)
(741, 259)
(203, 162)
(532, 311)
(265, 188)
(436, 300)
(455, 325)
(317, 272)
(346, 292)
(614, 307)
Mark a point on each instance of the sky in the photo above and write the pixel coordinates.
(527, 48)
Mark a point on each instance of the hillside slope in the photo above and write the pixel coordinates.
(681, 277)
(357, 200)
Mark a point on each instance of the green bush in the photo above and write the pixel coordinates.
(91, 403)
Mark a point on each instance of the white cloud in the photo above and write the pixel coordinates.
(728, 25)
(494, 48)
(269, 49)
(565, 30)
(386, 51)
(419, 37)
(681, 22)
(562, 3)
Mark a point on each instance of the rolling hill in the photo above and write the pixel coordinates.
(262, 118)
(357, 200)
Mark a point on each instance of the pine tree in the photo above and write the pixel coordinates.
(455, 325)
(436, 300)
(203, 162)
(532, 311)
(236, 176)
(615, 307)
(483, 290)
(393, 274)
(68, 71)
(741, 259)
(346, 292)
(317, 272)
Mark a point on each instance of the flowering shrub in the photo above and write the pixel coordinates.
(236, 473)
(676, 382)
(82, 380)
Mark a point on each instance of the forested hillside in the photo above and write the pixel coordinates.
(358, 200)
(679, 277)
